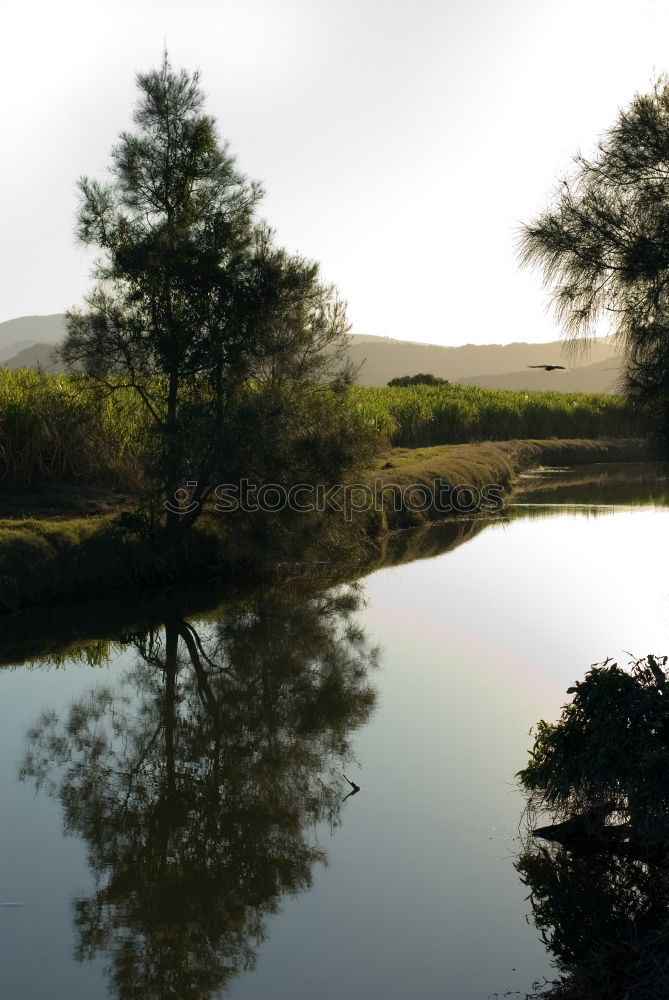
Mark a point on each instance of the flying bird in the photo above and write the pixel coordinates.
(548, 368)
(356, 788)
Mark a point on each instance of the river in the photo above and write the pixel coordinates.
(182, 828)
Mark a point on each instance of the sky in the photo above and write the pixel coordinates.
(400, 144)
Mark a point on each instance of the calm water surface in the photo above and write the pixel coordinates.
(208, 847)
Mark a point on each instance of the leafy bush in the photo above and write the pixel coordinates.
(420, 379)
(609, 749)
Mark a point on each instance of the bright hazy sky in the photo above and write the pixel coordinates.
(400, 144)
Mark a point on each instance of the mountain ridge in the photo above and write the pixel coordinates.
(379, 359)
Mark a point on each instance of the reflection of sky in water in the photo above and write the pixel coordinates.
(420, 897)
(479, 644)
(553, 594)
(39, 868)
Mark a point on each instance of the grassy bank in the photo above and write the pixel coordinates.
(478, 466)
(46, 560)
(43, 560)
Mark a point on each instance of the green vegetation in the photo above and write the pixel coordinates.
(478, 466)
(45, 559)
(599, 879)
(42, 560)
(201, 317)
(421, 379)
(450, 414)
(52, 431)
(61, 429)
(602, 247)
(609, 750)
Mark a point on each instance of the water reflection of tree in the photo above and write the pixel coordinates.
(198, 785)
(604, 917)
(599, 877)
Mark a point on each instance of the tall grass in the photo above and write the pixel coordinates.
(455, 414)
(53, 428)
(53, 431)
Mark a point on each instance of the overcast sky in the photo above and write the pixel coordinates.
(400, 144)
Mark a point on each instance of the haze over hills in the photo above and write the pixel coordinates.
(11, 350)
(29, 341)
(381, 359)
(28, 330)
(602, 376)
(35, 356)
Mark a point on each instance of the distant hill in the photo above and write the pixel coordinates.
(599, 377)
(11, 349)
(29, 342)
(35, 356)
(381, 358)
(27, 330)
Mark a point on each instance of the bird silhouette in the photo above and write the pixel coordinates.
(356, 789)
(548, 368)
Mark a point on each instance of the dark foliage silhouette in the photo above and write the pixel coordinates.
(603, 248)
(598, 874)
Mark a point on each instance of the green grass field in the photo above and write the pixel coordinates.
(53, 430)
(453, 414)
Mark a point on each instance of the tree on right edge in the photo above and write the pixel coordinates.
(603, 247)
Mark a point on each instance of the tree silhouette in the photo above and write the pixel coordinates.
(600, 891)
(196, 311)
(603, 247)
(421, 379)
(197, 783)
(604, 918)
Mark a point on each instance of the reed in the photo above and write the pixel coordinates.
(455, 414)
(56, 428)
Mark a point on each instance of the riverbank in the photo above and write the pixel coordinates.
(48, 559)
(479, 466)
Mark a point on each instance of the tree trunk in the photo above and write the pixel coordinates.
(172, 461)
